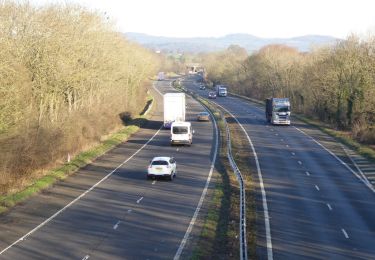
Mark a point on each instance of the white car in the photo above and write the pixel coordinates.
(162, 167)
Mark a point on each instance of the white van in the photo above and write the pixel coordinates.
(181, 133)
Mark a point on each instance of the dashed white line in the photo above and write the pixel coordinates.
(129, 210)
(293, 153)
(287, 145)
(86, 257)
(317, 187)
(79, 197)
(276, 134)
(299, 162)
(282, 140)
(307, 173)
(153, 182)
(116, 225)
(329, 206)
(139, 200)
(337, 158)
(177, 149)
(345, 233)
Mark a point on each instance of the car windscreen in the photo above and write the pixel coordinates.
(180, 130)
(159, 163)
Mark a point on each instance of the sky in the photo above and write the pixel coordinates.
(262, 18)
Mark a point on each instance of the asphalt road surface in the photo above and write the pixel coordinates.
(125, 216)
(318, 209)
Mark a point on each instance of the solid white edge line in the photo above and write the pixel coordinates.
(79, 197)
(337, 158)
(355, 165)
(204, 192)
(263, 191)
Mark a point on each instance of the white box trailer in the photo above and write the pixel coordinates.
(174, 108)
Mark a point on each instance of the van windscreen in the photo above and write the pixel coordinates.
(180, 130)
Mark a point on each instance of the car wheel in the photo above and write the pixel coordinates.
(171, 177)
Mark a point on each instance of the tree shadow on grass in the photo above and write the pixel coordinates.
(144, 123)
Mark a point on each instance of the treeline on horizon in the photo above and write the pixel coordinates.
(66, 76)
(335, 83)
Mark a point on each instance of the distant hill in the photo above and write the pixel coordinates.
(208, 44)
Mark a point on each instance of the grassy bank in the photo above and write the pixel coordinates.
(341, 136)
(77, 162)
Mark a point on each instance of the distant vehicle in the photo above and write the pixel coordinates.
(203, 87)
(221, 90)
(211, 94)
(174, 108)
(203, 116)
(278, 111)
(162, 167)
(181, 133)
(161, 76)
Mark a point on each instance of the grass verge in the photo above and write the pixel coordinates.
(79, 161)
(341, 136)
(243, 156)
(219, 236)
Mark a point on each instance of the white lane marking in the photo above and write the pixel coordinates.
(293, 153)
(79, 197)
(116, 225)
(282, 140)
(129, 210)
(86, 257)
(263, 190)
(355, 164)
(204, 192)
(307, 173)
(287, 145)
(337, 158)
(177, 149)
(139, 200)
(317, 187)
(276, 134)
(153, 182)
(299, 162)
(329, 206)
(345, 233)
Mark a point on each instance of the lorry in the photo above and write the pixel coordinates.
(181, 133)
(278, 111)
(174, 108)
(221, 90)
(161, 76)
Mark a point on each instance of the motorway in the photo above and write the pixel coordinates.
(109, 210)
(317, 208)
